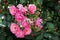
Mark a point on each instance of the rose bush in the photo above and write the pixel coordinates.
(29, 19)
(21, 19)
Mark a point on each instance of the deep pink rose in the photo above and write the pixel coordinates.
(19, 17)
(32, 8)
(25, 24)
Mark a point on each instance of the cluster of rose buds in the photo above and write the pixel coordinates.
(23, 25)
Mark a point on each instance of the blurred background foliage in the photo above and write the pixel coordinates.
(49, 12)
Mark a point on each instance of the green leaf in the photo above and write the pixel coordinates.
(47, 35)
(12, 2)
(50, 26)
(22, 1)
(10, 38)
(40, 37)
(0, 20)
(40, 2)
(9, 18)
(55, 38)
(29, 37)
(49, 19)
(2, 34)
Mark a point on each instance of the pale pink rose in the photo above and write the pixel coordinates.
(20, 34)
(14, 28)
(27, 31)
(19, 17)
(13, 10)
(19, 6)
(25, 24)
(23, 10)
(32, 8)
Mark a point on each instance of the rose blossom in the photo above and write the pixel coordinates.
(13, 10)
(25, 24)
(38, 23)
(14, 28)
(27, 31)
(21, 8)
(20, 17)
(32, 8)
(20, 34)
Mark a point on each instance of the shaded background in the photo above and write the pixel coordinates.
(49, 12)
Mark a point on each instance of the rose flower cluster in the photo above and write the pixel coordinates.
(23, 26)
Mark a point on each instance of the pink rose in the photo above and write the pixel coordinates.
(13, 10)
(27, 31)
(20, 34)
(22, 9)
(19, 17)
(14, 28)
(25, 24)
(19, 6)
(38, 23)
(32, 8)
